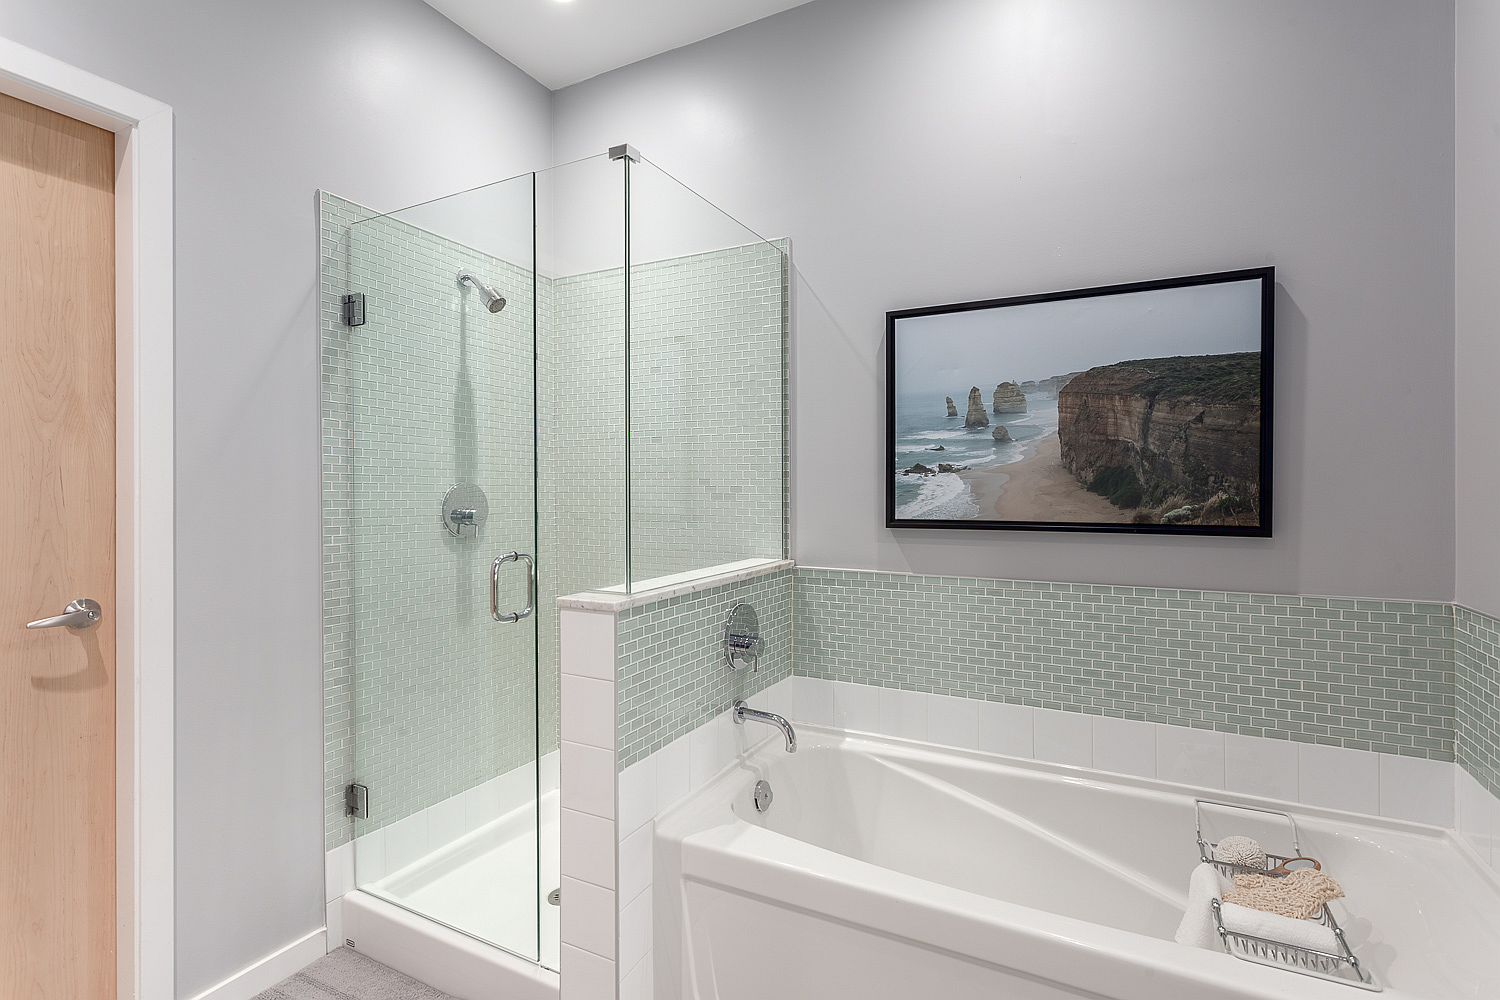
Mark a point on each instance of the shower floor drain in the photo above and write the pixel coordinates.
(555, 897)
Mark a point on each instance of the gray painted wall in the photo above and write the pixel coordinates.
(957, 149)
(1477, 348)
(273, 99)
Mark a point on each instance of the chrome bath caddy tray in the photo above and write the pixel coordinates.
(1342, 966)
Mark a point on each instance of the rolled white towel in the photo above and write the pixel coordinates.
(1197, 927)
(1288, 930)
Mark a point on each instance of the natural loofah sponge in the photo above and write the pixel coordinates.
(1300, 895)
(1240, 851)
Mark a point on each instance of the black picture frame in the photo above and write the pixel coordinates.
(1263, 526)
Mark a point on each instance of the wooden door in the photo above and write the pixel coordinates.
(57, 543)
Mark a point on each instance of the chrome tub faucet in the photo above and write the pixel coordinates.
(743, 711)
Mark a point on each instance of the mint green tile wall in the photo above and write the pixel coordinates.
(708, 339)
(581, 359)
(707, 410)
(671, 674)
(426, 696)
(1476, 647)
(387, 723)
(580, 457)
(1370, 675)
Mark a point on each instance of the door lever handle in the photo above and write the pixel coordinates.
(81, 613)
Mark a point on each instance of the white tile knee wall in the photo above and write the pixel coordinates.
(590, 928)
(1478, 817)
(608, 818)
(1378, 784)
(650, 787)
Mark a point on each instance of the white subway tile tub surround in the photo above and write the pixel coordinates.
(1007, 729)
(1123, 747)
(1339, 778)
(1478, 817)
(589, 929)
(653, 785)
(588, 843)
(608, 813)
(1356, 780)
(1062, 738)
(1262, 767)
(1188, 756)
(1414, 789)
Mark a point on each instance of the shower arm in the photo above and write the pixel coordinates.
(493, 300)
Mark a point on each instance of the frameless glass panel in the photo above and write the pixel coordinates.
(443, 399)
(707, 346)
(506, 341)
(581, 350)
(581, 436)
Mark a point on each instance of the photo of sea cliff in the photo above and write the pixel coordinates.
(1140, 408)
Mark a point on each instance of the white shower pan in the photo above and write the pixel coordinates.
(460, 917)
(886, 870)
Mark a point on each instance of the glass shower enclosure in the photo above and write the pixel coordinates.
(571, 380)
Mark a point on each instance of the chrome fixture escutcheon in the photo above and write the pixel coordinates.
(763, 795)
(464, 506)
(742, 642)
(81, 613)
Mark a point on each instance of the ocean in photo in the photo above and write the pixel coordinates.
(922, 425)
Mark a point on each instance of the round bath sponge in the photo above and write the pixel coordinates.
(1240, 851)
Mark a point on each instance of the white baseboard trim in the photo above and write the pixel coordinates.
(269, 971)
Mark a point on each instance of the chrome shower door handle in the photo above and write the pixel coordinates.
(512, 617)
(81, 613)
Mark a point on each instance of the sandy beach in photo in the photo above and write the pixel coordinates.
(1038, 488)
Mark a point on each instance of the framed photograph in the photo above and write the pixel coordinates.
(1142, 408)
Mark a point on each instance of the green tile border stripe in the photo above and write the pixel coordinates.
(1365, 674)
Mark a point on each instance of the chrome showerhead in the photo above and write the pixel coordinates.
(493, 300)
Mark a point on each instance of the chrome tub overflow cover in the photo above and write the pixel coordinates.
(763, 795)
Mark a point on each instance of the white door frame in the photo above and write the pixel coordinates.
(144, 822)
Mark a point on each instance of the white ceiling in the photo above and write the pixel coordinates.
(560, 43)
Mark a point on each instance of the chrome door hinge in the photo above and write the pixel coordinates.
(357, 801)
(354, 309)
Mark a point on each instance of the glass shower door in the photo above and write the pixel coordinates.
(444, 548)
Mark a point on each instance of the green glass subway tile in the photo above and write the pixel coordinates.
(1126, 651)
(669, 685)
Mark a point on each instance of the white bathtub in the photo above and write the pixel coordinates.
(888, 869)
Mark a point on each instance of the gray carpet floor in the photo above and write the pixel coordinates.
(348, 975)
